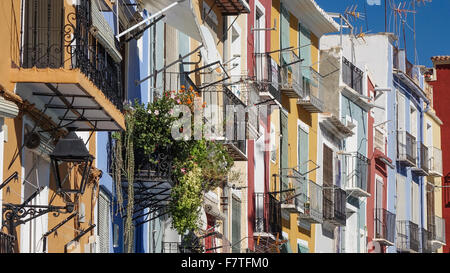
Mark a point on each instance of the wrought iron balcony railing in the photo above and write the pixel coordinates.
(6, 243)
(436, 227)
(384, 227)
(50, 43)
(407, 236)
(311, 210)
(334, 205)
(236, 140)
(422, 162)
(267, 214)
(357, 175)
(406, 148)
(426, 244)
(291, 75)
(352, 76)
(312, 97)
(435, 162)
(267, 77)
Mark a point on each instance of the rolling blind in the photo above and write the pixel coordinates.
(103, 222)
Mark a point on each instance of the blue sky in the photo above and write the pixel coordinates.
(432, 24)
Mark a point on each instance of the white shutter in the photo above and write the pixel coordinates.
(415, 215)
(400, 112)
(103, 222)
(401, 198)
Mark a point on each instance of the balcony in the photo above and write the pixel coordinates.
(357, 175)
(312, 98)
(70, 60)
(235, 141)
(352, 76)
(426, 245)
(296, 195)
(267, 220)
(334, 205)
(436, 227)
(291, 75)
(423, 162)
(380, 140)
(267, 78)
(406, 148)
(311, 209)
(407, 236)
(6, 243)
(435, 161)
(384, 227)
(232, 7)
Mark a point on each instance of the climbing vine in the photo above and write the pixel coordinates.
(197, 165)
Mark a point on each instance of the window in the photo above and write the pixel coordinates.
(413, 116)
(43, 34)
(104, 221)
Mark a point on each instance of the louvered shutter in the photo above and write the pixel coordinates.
(305, 50)
(284, 34)
(103, 222)
(284, 150)
(303, 157)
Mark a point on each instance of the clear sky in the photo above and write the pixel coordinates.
(432, 23)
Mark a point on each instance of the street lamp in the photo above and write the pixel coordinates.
(71, 149)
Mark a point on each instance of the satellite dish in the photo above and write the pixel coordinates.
(32, 140)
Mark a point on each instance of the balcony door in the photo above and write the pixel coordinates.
(400, 112)
(259, 36)
(379, 207)
(43, 31)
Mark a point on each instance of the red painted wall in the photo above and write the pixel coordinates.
(377, 167)
(251, 143)
(441, 102)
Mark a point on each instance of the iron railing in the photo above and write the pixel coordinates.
(50, 43)
(312, 97)
(352, 76)
(312, 208)
(436, 227)
(334, 205)
(406, 148)
(435, 161)
(267, 213)
(422, 161)
(357, 174)
(238, 125)
(426, 243)
(267, 75)
(407, 236)
(291, 75)
(6, 243)
(384, 225)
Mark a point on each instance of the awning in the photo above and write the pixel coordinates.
(181, 16)
(8, 109)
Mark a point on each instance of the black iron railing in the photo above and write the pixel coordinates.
(238, 124)
(352, 76)
(267, 213)
(406, 147)
(6, 243)
(50, 43)
(407, 236)
(334, 203)
(267, 75)
(384, 225)
(426, 244)
(357, 172)
(424, 158)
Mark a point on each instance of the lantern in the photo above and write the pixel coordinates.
(71, 149)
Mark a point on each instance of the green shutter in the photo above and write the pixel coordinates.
(284, 150)
(303, 158)
(305, 50)
(236, 226)
(284, 29)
